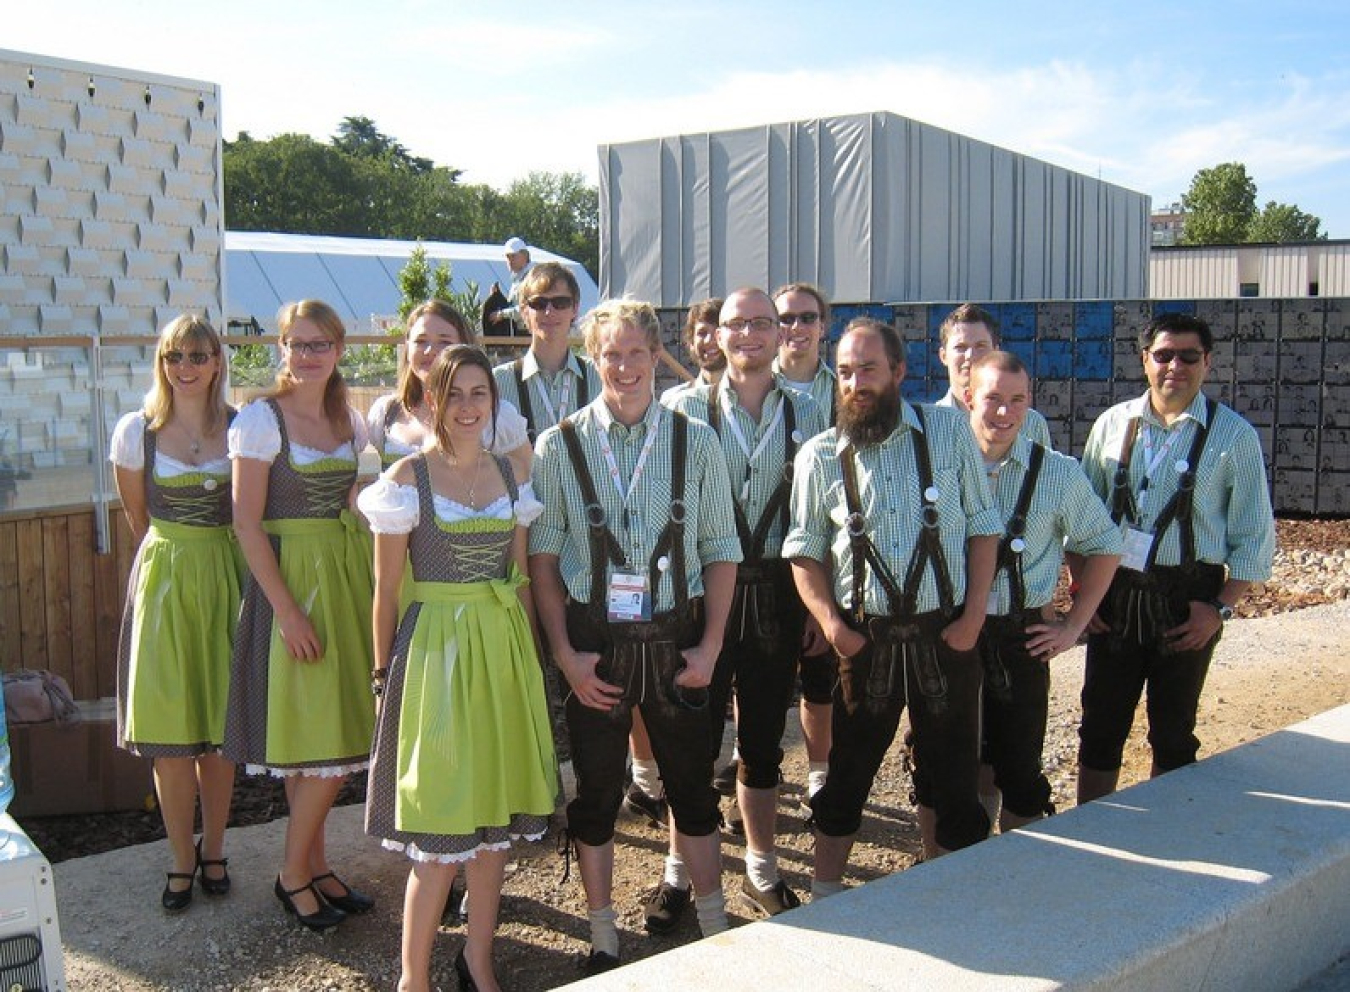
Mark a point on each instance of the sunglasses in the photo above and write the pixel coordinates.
(195, 357)
(1164, 356)
(739, 325)
(320, 347)
(540, 304)
(808, 319)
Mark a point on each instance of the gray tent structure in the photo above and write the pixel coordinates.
(872, 207)
(356, 276)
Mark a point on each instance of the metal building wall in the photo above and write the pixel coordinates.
(869, 206)
(1284, 271)
(1333, 270)
(1193, 274)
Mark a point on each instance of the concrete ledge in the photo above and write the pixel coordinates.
(1230, 874)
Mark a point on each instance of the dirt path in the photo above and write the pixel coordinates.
(1269, 673)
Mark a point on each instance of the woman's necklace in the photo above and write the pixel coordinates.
(194, 443)
(473, 480)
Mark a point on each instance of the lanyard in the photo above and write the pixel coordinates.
(564, 398)
(1153, 461)
(602, 437)
(744, 445)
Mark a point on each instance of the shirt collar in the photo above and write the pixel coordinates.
(1197, 411)
(530, 365)
(604, 418)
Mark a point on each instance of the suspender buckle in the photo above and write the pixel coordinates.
(929, 516)
(678, 512)
(595, 516)
(856, 524)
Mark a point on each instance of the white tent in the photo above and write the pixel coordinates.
(356, 276)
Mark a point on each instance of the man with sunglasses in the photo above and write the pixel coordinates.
(549, 382)
(1184, 478)
(633, 566)
(761, 425)
(966, 333)
(893, 542)
(804, 315)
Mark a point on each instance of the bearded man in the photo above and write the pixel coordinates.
(893, 542)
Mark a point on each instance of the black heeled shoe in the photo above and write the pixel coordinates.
(324, 918)
(465, 976)
(175, 900)
(351, 901)
(212, 886)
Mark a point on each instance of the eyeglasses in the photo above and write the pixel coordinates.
(739, 325)
(195, 357)
(540, 304)
(1164, 356)
(320, 347)
(808, 319)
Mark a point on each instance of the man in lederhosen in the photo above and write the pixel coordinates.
(761, 425)
(893, 543)
(633, 563)
(1184, 478)
(1048, 508)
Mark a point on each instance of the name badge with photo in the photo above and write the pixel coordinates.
(629, 599)
(1138, 543)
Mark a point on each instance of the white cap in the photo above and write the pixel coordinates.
(514, 245)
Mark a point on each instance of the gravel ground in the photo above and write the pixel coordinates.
(117, 940)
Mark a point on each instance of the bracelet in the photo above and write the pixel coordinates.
(377, 678)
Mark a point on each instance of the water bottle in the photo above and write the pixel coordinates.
(6, 779)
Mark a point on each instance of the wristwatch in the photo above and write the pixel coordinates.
(1225, 611)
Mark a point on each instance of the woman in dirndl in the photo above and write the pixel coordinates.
(464, 760)
(182, 599)
(300, 705)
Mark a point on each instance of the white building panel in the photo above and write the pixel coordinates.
(1333, 270)
(1284, 270)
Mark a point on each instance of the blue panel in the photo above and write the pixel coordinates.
(918, 359)
(1017, 321)
(1025, 350)
(1174, 306)
(1054, 360)
(1094, 320)
(936, 315)
(842, 314)
(1092, 360)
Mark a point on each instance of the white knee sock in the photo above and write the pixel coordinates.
(604, 934)
(647, 778)
(823, 890)
(677, 874)
(761, 869)
(815, 776)
(712, 912)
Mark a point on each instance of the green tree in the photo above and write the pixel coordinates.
(1220, 205)
(1284, 222)
(419, 281)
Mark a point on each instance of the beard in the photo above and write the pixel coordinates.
(867, 417)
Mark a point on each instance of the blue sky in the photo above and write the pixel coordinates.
(1141, 94)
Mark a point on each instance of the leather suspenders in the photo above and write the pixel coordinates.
(1012, 545)
(527, 406)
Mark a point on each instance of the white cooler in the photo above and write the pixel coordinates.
(30, 935)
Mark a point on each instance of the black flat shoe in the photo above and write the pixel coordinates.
(465, 976)
(175, 900)
(212, 886)
(351, 901)
(324, 918)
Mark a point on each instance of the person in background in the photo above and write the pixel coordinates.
(700, 341)
(173, 670)
(966, 333)
(1184, 477)
(548, 382)
(1048, 508)
(893, 543)
(463, 760)
(300, 705)
(400, 423)
(804, 315)
(505, 320)
(633, 566)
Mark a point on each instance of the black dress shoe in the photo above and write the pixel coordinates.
(173, 899)
(324, 918)
(598, 962)
(351, 901)
(212, 886)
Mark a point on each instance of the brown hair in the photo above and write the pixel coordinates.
(326, 319)
(184, 330)
(968, 313)
(707, 312)
(544, 275)
(890, 335)
(409, 388)
(442, 378)
(807, 288)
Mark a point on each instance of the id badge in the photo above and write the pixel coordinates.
(629, 599)
(1137, 546)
